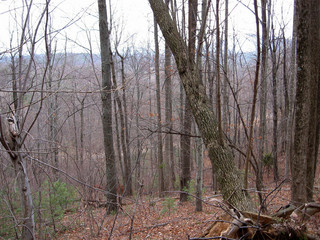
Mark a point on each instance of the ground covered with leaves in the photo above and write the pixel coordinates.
(161, 218)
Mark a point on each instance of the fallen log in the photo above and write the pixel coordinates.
(289, 222)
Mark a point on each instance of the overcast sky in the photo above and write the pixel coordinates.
(134, 17)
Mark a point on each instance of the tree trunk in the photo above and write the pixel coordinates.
(226, 115)
(199, 175)
(290, 122)
(308, 52)
(121, 143)
(111, 174)
(255, 89)
(220, 154)
(285, 118)
(160, 155)
(273, 50)
(218, 71)
(26, 197)
(169, 151)
(125, 131)
(263, 91)
(187, 121)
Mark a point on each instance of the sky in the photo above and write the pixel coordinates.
(131, 17)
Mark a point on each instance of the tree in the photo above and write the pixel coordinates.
(292, 79)
(125, 132)
(275, 66)
(106, 100)
(306, 131)
(16, 127)
(169, 150)
(159, 121)
(187, 120)
(219, 152)
(226, 114)
(263, 88)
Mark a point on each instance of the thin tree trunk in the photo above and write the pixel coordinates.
(199, 175)
(121, 143)
(263, 92)
(255, 90)
(286, 97)
(290, 122)
(28, 230)
(273, 50)
(111, 174)
(160, 155)
(198, 142)
(125, 131)
(187, 121)
(169, 151)
(138, 153)
(218, 70)
(82, 132)
(226, 115)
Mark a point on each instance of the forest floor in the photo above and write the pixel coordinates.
(155, 218)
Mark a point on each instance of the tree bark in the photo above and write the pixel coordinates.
(308, 52)
(226, 115)
(169, 151)
(263, 89)
(125, 131)
(218, 70)
(106, 99)
(187, 121)
(159, 121)
(292, 79)
(219, 153)
(273, 49)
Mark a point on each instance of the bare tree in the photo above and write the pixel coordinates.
(226, 114)
(275, 66)
(16, 127)
(106, 99)
(159, 121)
(255, 90)
(169, 151)
(219, 153)
(263, 89)
(187, 120)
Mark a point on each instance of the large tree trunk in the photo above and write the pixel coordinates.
(106, 99)
(308, 52)
(219, 153)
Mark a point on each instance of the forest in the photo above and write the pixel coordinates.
(190, 129)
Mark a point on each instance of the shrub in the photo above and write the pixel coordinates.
(168, 205)
(10, 209)
(267, 159)
(53, 200)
